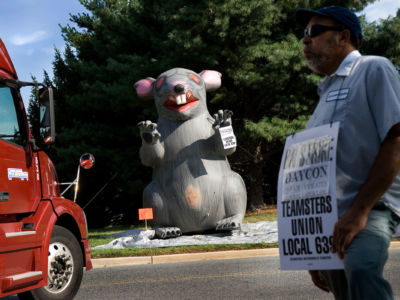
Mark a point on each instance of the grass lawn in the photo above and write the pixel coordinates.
(96, 238)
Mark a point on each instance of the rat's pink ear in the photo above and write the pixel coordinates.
(144, 88)
(212, 79)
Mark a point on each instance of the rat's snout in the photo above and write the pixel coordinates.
(180, 96)
(179, 88)
(179, 91)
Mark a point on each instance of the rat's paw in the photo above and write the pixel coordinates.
(228, 224)
(148, 132)
(168, 232)
(222, 118)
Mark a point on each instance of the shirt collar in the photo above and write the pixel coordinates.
(347, 63)
(344, 68)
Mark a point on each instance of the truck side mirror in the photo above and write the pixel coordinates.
(86, 161)
(46, 107)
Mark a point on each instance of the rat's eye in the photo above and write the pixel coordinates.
(195, 78)
(159, 82)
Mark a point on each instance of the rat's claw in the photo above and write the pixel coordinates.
(221, 115)
(227, 114)
(153, 126)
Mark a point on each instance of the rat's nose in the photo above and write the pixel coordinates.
(179, 88)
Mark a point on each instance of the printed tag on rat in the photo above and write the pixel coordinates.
(228, 137)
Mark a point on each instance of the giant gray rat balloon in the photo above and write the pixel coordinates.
(193, 187)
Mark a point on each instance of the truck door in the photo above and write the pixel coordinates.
(19, 190)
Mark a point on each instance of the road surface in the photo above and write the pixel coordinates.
(247, 278)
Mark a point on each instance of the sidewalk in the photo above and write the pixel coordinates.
(176, 258)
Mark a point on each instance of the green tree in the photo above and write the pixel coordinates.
(254, 44)
(97, 110)
(383, 38)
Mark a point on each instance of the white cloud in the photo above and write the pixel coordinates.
(381, 10)
(48, 50)
(20, 40)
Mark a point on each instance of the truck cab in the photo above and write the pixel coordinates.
(44, 243)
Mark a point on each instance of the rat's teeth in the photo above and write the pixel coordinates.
(181, 99)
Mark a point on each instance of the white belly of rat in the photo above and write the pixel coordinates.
(193, 187)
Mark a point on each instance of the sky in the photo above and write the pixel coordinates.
(30, 30)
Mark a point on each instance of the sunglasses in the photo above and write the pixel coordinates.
(315, 30)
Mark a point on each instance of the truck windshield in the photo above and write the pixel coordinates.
(9, 127)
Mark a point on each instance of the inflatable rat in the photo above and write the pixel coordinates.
(193, 187)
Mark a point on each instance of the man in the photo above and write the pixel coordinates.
(363, 94)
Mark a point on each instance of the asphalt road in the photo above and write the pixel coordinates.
(248, 278)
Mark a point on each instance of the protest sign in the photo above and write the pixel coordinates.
(307, 210)
(145, 214)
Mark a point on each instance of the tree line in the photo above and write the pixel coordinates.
(255, 44)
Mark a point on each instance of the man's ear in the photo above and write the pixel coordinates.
(345, 36)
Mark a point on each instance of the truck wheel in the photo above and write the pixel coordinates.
(65, 268)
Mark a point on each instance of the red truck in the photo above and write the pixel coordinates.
(44, 244)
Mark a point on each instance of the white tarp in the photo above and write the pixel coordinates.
(260, 232)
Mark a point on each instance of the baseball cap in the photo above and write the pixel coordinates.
(341, 14)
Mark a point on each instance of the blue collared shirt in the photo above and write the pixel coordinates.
(364, 96)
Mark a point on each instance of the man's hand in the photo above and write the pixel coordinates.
(319, 280)
(348, 226)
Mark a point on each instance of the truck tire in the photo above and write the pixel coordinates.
(65, 268)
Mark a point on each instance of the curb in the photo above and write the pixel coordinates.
(186, 257)
(395, 245)
(190, 257)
